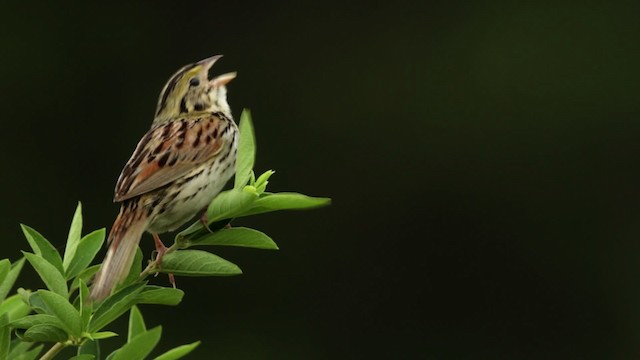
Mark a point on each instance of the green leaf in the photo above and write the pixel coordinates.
(178, 352)
(42, 246)
(18, 347)
(134, 270)
(263, 180)
(63, 310)
(103, 335)
(246, 150)
(85, 275)
(37, 304)
(83, 357)
(197, 230)
(136, 323)
(86, 306)
(49, 274)
(5, 336)
(29, 355)
(90, 347)
(74, 237)
(14, 307)
(140, 346)
(87, 249)
(5, 266)
(160, 295)
(284, 201)
(224, 206)
(239, 236)
(38, 319)
(197, 263)
(44, 333)
(114, 306)
(230, 203)
(10, 278)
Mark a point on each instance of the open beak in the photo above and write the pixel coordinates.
(222, 79)
(208, 63)
(218, 80)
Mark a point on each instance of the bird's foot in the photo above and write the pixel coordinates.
(160, 251)
(204, 220)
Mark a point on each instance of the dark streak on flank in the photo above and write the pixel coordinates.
(193, 176)
(157, 150)
(182, 132)
(197, 140)
(166, 130)
(163, 160)
(226, 155)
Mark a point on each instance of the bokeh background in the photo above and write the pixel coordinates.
(482, 158)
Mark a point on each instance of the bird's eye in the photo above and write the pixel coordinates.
(194, 82)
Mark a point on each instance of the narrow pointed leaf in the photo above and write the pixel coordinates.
(263, 181)
(86, 306)
(74, 237)
(246, 150)
(42, 246)
(29, 355)
(87, 249)
(49, 274)
(83, 357)
(85, 275)
(37, 304)
(103, 335)
(160, 295)
(136, 323)
(114, 306)
(178, 352)
(284, 201)
(63, 310)
(10, 278)
(18, 347)
(197, 263)
(196, 230)
(238, 236)
(229, 203)
(5, 336)
(44, 333)
(38, 319)
(140, 346)
(14, 307)
(5, 266)
(90, 347)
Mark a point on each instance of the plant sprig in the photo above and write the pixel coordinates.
(62, 313)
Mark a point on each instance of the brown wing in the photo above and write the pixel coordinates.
(168, 152)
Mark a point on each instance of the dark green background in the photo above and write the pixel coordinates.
(482, 159)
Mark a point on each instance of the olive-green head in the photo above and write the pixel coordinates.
(190, 90)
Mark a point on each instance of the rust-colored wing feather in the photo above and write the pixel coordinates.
(168, 152)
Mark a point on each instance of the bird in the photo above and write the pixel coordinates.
(178, 167)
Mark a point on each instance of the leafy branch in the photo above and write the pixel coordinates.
(64, 315)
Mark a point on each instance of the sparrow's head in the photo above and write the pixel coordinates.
(190, 90)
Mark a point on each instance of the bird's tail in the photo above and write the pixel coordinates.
(123, 242)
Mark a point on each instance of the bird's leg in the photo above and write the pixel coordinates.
(204, 219)
(160, 251)
(160, 248)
